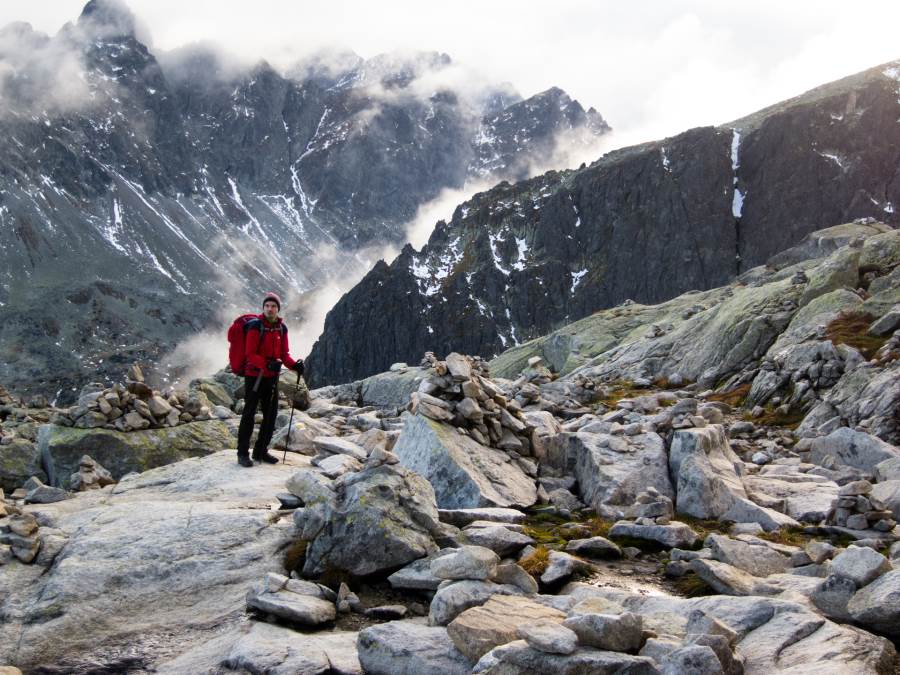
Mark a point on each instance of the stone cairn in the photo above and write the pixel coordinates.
(458, 391)
(90, 476)
(133, 406)
(857, 509)
(18, 534)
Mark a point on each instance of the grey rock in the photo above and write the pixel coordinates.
(464, 473)
(611, 471)
(853, 448)
(860, 564)
(673, 535)
(694, 659)
(306, 610)
(267, 648)
(38, 493)
(467, 562)
(549, 636)
(561, 567)
(502, 540)
(832, 595)
(121, 453)
(339, 446)
(877, 605)
(417, 574)
(594, 547)
(409, 648)
(756, 558)
(454, 597)
(513, 575)
(463, 517)
(382, 518)
(519, 658)
(614, 632)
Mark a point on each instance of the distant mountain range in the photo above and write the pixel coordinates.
(144, 195)
(645, 223)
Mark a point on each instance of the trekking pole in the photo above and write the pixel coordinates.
(287, 440)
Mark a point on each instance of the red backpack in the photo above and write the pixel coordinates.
(237, 339)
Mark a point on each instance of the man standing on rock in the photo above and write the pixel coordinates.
(266, 348)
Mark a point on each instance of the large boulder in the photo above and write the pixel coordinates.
(865, 394)
(852, 448)
(380, 520)
(19, 461)
(806, 497)
(464, 473)
(888, 493)
(612, 470)
(391, 389)
(877, 605)
(519, 658)
(268, 648)
(410, 648)
(172, 550)
(479, 629)
(708, 476)
(123, 452)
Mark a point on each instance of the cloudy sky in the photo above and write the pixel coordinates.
(652, 67)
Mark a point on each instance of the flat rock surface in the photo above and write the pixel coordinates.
(169, 552)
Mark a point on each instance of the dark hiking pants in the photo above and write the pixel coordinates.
(266, 398)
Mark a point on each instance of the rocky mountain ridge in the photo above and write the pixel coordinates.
(644, 223)
(143, 195)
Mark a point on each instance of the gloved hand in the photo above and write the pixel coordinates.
(299, 368)
(273, 365)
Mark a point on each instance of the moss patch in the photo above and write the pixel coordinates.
(849, 328)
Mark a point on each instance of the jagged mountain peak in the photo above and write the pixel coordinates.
(109, 19)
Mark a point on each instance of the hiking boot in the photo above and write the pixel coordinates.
(264, 456)
(244, 460)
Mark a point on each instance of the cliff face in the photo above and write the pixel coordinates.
(644, 223)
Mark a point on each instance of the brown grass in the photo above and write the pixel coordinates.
(692, 586)
(599, 527)
(536, 563)
(295, 556)
(772, 418)
(849, 328)
(733, 397)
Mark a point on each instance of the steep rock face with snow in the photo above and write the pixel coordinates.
(644, 223)
(141, 193)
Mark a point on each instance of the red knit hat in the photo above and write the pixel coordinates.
(274, 298)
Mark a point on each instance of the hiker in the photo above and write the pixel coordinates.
(265, 350)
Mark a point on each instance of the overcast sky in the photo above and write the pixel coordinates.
(652, 68)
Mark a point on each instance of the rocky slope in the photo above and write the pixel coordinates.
(711, 484)
(644, 223)
(143, 193)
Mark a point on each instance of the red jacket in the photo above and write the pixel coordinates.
(266, 341)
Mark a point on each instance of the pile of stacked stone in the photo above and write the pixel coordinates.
(134, 406)
(18, 535)
(459, 392)
(858, 509)
(90, 476)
